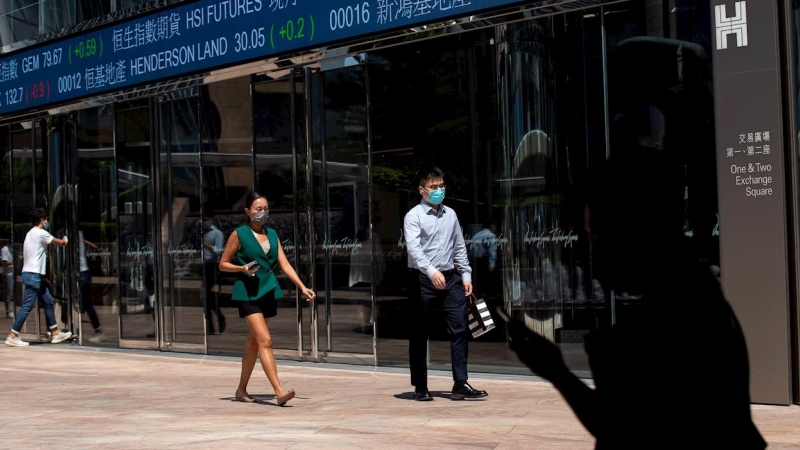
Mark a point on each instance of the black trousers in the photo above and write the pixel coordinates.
(423, 297)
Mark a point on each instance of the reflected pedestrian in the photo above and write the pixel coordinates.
(253, 251)
(8, 278)
(213, 244)
(439, 275)
(87, 305)
(34, 268)
(484, 251)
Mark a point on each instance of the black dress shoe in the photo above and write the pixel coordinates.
(463, 391)
(422, 395)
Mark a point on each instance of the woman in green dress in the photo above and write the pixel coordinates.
(253, 251)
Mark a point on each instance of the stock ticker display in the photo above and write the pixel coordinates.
(200, 36)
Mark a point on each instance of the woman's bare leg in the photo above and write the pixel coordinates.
(248, 363)
(258, 328)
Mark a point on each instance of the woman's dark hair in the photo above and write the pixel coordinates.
(38, 215)
(251, 197)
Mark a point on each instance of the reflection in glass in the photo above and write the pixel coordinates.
(279, 121)
(135, 197)
(341, 210)
(97, 225)
(29, 181)
(62, 14)
(180, 252)
(433, 103)
(6, 244)
(19, 21)
(224, 119)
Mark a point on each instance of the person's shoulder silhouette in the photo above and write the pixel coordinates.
(673, 371)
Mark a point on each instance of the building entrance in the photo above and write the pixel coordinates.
(320, 209)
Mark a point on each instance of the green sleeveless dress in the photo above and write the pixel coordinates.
(247, 288)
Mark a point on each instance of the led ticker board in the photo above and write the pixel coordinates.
(199, 36)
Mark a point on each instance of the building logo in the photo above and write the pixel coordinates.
(736, 25)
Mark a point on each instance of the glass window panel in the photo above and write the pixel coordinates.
(341, 206)
(224, 119)
(660, 98)
(61, 14)
(19, 21)
(97, 224)
(181, 254)
(6, 215)
(29, 182)
(135, 200)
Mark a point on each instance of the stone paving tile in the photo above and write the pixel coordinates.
(72, 397)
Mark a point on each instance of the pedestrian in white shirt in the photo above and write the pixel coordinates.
(34, 267)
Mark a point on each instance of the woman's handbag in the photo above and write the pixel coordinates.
(480, 320)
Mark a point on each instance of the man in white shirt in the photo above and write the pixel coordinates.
(34, 267)
(439, 275)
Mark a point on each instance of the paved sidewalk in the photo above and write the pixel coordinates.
(73, 397)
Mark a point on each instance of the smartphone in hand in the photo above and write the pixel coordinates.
(252, 266)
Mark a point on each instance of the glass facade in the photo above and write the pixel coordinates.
(517, 114)
(23, 22)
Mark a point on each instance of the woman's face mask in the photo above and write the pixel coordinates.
(260, 217)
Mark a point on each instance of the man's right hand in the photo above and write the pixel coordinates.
(66, 240)
(438, 280)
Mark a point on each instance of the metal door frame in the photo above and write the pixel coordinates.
(317, 354)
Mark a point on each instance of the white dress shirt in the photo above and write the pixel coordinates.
(434, 241)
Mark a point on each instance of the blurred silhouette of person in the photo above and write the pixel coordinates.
(8, 279)
(438, 275)
(674, 371)
(34, 268)
(213, 245)
(86, 288)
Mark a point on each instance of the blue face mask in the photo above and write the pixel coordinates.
(47, 225)
(436, 197)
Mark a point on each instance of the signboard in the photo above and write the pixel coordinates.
(199, 36)
(751, 187)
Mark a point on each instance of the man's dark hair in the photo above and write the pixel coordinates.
(38, 215)
(426, 173)
(488, 222)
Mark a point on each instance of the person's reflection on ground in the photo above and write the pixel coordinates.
(674, 373)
